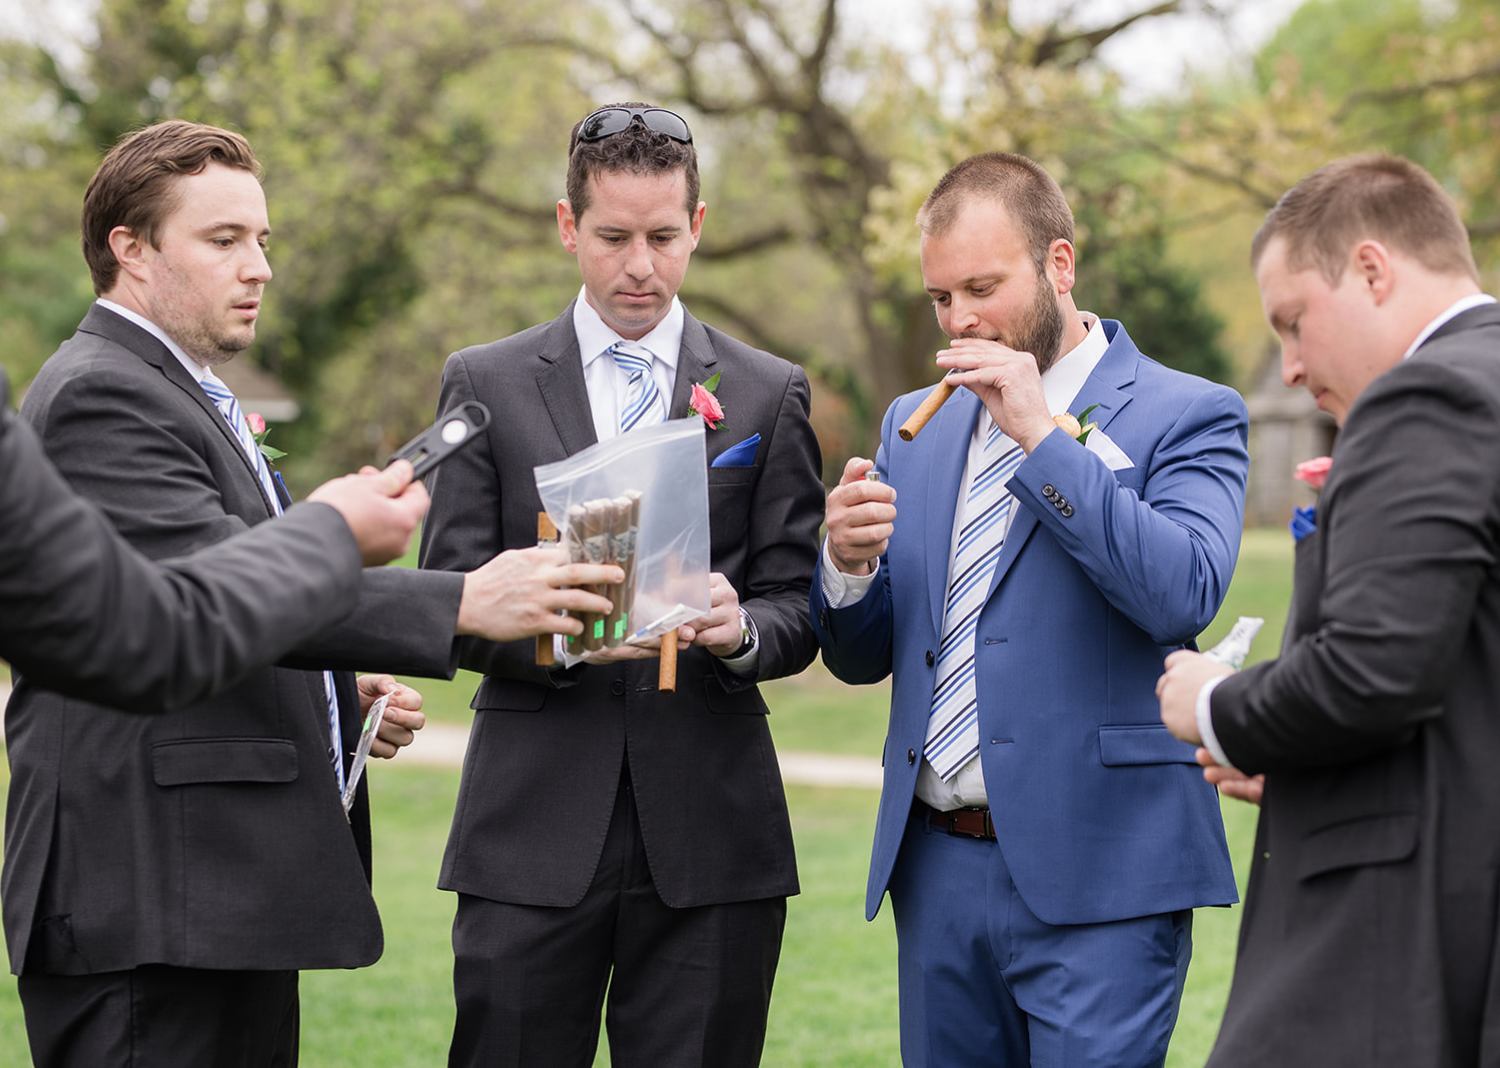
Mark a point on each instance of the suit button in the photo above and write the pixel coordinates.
(823, 619)
(617, 688)
(1067, 511)
(930, 658)
(1048, 491)
(911, 756)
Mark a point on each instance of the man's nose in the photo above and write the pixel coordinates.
(638, 263)
(964, 316)
(1292, 371)
(257, 268)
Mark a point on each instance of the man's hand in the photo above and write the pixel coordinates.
(519, 593)
(1177, 690)
(403, 713)
(720, 632)
(861, 519)
(1008, 383)
(382, 508)
(1231, 783)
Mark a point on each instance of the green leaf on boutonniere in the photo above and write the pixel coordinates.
(1083, 434)
(270, 452)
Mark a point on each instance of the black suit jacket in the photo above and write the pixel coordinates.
(547, 748)
(210, 837)
(83, 613)
(1369, 934)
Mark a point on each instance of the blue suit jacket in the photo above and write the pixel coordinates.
(1102, 815)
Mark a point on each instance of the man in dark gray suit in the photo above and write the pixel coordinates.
(167, 875)
(608, 834)
(1372, 917)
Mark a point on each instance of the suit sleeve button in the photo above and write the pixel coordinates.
(930, 658)
(1067, 511)
(617, 688)
(911, 756)
(1047, 490)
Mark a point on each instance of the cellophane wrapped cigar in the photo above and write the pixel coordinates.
(574, 539)
(621, 552)
(595, 550)
(627, 588)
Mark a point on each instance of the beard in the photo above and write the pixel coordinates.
(1040, 331)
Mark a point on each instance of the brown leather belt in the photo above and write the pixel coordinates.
(965, 822)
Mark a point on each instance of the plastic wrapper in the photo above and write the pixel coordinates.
(1235, 646)
(639, 500)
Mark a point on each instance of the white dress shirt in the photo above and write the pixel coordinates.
(1060, 386)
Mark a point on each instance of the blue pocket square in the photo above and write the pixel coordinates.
(1304, 522)
(740, 455)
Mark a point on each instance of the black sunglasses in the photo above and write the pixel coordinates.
(606, 122)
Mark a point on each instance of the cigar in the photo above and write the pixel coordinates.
(595, 546)
(627, 588)
(546, 538)
(577, 516)
(928, 408)
(621, 552)
(666, 674)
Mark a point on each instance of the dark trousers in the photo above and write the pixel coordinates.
(157, 1016)
(686, 987)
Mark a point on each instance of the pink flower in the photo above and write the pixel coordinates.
(1315, 471)
(707, 405)
(257, 424)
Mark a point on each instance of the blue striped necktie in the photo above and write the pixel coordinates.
(953, 725)
(643, 404)
(229, 408)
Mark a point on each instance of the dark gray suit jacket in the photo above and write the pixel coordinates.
(211, 837)
(1369, 934)
(547, 749)
(83, 613)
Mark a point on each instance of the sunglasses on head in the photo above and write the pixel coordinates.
(606, 122)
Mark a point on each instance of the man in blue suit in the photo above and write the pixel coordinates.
(1043, 838)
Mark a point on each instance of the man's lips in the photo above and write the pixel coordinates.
(250, 309)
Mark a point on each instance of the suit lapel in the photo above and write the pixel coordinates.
(696, 362)
(560, 381)
(148, 347)
(1104, 387)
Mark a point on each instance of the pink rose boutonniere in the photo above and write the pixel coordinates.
(1315, 471)
(705, 404)
(259, 431)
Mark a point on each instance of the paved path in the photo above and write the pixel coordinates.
(442, 745)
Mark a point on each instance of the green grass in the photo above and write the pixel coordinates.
(835, 995)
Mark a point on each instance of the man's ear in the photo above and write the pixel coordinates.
(130, 252)
(1060, 266)
(567, 226)
(697, 224)
(1373, 269)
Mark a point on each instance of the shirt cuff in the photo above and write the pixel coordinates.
(746, 663)
(841, 590)
(1203, 710)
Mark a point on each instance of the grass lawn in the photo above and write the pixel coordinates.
(835, 998)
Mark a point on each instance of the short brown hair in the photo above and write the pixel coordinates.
(1371, 196)
(1028, 192)
(634, 150)
(134, 186)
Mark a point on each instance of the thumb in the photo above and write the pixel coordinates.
(396, 478)
(855, 469)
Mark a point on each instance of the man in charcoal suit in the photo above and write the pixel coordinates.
(1372, 917)
(608, 834)
(1042, 838)
(166, 875)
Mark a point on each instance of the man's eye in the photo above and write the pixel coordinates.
(940, 299)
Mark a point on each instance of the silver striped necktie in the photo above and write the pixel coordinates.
(643, 404)
(953, 725)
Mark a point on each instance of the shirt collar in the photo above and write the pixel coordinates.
(1457, 308)
(197, 370)
(594, 338)
(1062, 381)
